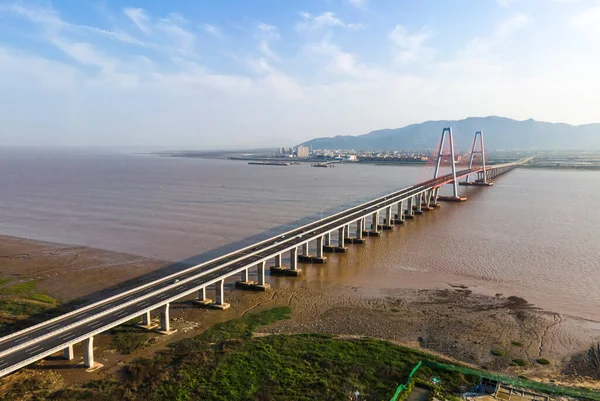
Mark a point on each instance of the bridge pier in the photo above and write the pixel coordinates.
(88, 355)
(320, 258)
(418, 208)
(374, 231)
(165, 323)
(399, 216)
(68, 353)
(219, 296)
(387, 221)
(360, 226)
(146, 322)
(410, 213)
(260, 268)
(201, 300)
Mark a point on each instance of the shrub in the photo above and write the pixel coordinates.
(519, 362)
(543, 361)
(497, 352)
(517, 344)
(127, 343)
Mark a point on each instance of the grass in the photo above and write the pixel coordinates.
(4, 280)
(519, 362)
(19, 289)
(10, 308)
(517, 344)
(42, 298)
(128, 343)
(227, 362)
(543, 361)
(497, 352)
(395, 310)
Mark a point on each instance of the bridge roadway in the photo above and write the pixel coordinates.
(34, 343)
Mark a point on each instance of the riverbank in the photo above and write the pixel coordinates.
(450, 320)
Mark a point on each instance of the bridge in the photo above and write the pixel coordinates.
(329, 234)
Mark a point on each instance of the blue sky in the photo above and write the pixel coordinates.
(252, 73)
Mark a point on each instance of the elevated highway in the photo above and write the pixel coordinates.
(80, 326)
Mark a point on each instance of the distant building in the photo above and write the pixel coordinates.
(302, 151)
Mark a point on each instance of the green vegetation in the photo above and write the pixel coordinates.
(42, 298)
(4, 280)
(127, 343)
(19, 289)
(519, 362)
(395, 310)
(543, 361)
(10, 308)
(517, 344)
(21, 301)
(497, 352)
(228, 362)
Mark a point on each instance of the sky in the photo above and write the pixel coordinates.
(210, 74)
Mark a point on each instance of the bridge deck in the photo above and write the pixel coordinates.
(31, 344)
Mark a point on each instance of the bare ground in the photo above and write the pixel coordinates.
(451, 321)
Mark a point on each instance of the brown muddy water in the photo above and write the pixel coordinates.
(535, 234)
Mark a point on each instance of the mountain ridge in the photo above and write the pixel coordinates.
(499, 132)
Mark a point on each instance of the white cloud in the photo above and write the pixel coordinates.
(139, 17)
(212, 30)
(588, 21)
(507, 29)
(342, 63)
(267, 28)
(324, 20)
(411, 47)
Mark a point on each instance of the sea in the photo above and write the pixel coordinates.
(535, 234)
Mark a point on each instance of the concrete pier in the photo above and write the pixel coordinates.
(68, 353)
(410, 213)
(220, 296)
(165, 323)
(147, 322)
(419, 204)
(340, 248)
(261, 285)
(88, 352)
(202, 300)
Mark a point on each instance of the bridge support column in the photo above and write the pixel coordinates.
(260, 285)
(278, 260)
(410, 213)
(399, 213)
(320, 246)
(327, 239)
(293, 270)
(419, 203)
(359, 229)
(202, 300)
(341, 237)
(146, 322)
(375, 222)
(387, 225)
(304, 249)
(68, 353)
(260, 268)
(165, 324)
(88, 353)
(220, 296)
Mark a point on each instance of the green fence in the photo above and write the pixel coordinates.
(517, 381)
(401, 388)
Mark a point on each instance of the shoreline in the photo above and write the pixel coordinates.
(454, 320)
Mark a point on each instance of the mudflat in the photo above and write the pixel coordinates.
(453, 321)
